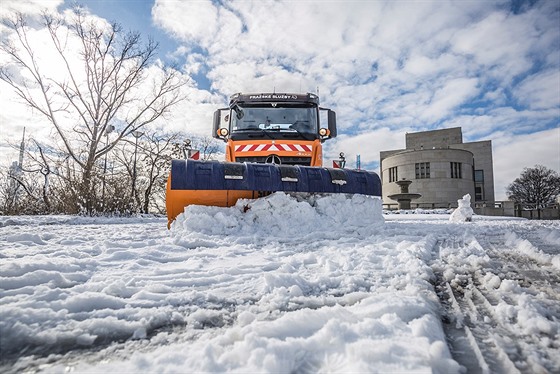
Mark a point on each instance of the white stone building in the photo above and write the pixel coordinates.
(441, 167)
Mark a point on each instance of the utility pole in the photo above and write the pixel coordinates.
(136, 134)
(21, 150)
(109, 130)
(15, 172)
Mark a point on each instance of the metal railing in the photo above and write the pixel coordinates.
(489, 208)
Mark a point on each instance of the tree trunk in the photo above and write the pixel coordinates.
(87, 195)
(146, 204)
(46, 194)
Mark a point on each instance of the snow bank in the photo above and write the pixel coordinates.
(282, 215)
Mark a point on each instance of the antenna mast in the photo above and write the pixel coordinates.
(21, 150)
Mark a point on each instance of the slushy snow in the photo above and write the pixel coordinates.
(278, 284)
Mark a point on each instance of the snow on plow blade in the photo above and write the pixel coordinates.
(223, 183)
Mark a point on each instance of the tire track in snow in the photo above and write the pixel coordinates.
(470, 345)
(486, 305)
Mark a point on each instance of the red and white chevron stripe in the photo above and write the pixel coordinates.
(273, 147)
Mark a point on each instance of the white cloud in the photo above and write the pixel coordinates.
(386, 67)
(425, 59)
(28, 6)
(14, 116)
(499, 42)
(454, 93)
(513, 153)
(541, 90)
(194, 21)
(366, 144)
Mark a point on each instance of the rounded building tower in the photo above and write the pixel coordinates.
(441, 176)
(441, 167)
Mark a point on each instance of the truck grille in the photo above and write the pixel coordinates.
(303, 161)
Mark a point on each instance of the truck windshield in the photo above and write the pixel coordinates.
(296, 119)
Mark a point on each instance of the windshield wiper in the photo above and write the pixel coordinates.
(250, 129)
(304, 135)
(289, 132)
(238, 111)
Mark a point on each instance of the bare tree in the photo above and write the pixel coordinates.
(207, 145)
(28, 202)
(36, 181)
(536, 188)
(23, 192)
(118, 178)
(42, 165)
(157, 153)
(110, 86)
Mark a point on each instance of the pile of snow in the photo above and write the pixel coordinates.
(464, 212)
(282, 215)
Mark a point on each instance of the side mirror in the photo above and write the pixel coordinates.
(332, 124)
(220, 122)
(328, 116)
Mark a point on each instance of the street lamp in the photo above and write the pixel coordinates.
(109, 130)
(187, 148)
(136, 134)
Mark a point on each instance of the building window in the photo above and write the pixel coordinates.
(478, 192)
(422, 170)
(479, 176)
(479, 185)
(393, 175)
(456, 170)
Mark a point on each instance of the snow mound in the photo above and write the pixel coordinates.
(280, 214)
(464, 212)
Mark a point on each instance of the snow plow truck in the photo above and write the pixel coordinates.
(273, 143)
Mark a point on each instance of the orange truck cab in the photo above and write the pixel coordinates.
(274, 128)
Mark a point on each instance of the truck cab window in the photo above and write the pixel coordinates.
(285, 119)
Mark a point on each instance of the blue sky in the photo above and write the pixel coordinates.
(133, 15)
(385, 67)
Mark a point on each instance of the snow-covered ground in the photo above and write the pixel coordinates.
(277, 285)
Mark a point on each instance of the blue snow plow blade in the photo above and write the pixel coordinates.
(214, 175)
